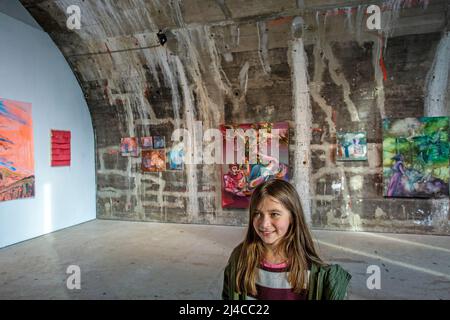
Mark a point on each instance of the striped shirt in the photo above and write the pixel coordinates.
(272, 284)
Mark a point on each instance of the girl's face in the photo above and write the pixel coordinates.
(271, 220)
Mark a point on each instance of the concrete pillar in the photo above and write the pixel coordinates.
(437, 81)
(302, 117)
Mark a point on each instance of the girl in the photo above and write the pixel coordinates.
(277, 259)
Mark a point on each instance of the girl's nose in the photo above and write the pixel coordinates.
(266, 221)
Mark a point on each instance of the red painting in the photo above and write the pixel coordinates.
(60, 141)
(16, 150)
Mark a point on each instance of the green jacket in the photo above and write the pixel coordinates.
(325, 282)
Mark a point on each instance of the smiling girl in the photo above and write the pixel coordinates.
(277, 260)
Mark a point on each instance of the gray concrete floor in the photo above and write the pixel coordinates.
(135, 260)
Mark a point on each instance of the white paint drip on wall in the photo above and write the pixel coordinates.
(389, 18)
(317, 84)
(203, 63)
(301, 4)
(339, 79)
(437, 80)
(161, 58)
(263, 52)
(191, 169)
(360, 22)
(347, 214)
(391, 14)
(316, 88)
(379, 89)
(302, 120)
(220, 78)
(106, 20)
(196, 63)
(178, 16)
(237, 35)
(349, 19)
(243, 77)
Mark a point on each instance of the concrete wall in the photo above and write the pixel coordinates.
(33, 70)
(245, 61)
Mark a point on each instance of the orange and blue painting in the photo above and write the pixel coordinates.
(16, 150)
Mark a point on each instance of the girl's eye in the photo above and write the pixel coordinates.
(275, 214)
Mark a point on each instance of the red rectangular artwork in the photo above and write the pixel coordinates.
(60, 148)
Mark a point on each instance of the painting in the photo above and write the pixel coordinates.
(176, 159)
(146, 142)
(416, 157)
(159, 142)
(129, 147)
(351, 146)
(153, 160)
(16, 150)
(240, 178)
(60, 144)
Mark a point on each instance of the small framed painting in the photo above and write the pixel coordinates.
(351, 146)
(129, 147)
(153, 160)
(146, 142)
(159, 142)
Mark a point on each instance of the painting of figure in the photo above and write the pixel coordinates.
(265, 157)
(153, 160)
(416, 157)
(351, 146)
(129, 147)
(16, 150)
(146, 142)
(176, 158)
(159, 142)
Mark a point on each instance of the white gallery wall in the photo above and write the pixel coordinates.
(33, 70)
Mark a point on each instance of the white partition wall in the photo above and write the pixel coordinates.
(33, 70)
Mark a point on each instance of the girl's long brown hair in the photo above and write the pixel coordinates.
(297, 244)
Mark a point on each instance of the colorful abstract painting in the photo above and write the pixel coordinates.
(272, 159)
(146, 142)
(16, 150)
(60, 142)
(416, 157)
(129, 147)
(159, 142)
(176, 159)
(351, 146)
(153, 160)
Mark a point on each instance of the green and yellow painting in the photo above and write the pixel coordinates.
(416, 157)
